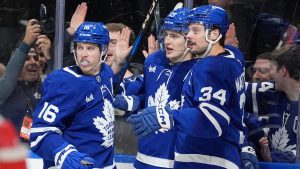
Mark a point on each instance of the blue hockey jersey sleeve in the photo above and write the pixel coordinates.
(213, 98)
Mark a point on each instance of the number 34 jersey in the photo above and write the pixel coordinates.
(209, 125)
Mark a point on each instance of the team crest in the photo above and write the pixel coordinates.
(105, 125)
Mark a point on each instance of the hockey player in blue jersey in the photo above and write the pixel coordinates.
(209, 128)
(73, 123)
(278, 109)
(164, 72)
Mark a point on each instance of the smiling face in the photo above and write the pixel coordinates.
(31, 68)
(88, 58)
(262, 69)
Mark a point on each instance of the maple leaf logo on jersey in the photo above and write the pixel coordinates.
(152, 69)
(106, 125)
(280, 138)
(161, 99)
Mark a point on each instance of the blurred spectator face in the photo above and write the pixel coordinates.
(111, 48)
(262, 69)
(42, 58)
(31, 68)
(2, 69)
(174, 45)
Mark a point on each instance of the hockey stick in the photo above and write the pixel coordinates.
(135, 47)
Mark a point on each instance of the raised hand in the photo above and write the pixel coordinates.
(77, 18)
(122, 49)
(152, 46)
(44, 44)
(33, 30)
(230, 38)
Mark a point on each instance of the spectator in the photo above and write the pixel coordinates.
(21, 80)
(43, 46)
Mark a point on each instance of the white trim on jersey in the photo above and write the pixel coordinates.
(155, 161)
(45, 129)
(42, 130)
(71, 72)
(254, 100)
(205, 159)
(203, 107)
(38, 139)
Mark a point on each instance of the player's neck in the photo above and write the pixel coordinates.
(216, 49)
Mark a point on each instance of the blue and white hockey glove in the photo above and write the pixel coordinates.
(126, 103)
(249, 159)
(67, 157)
(152, 119)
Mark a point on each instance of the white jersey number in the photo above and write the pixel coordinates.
(207, 94)
(49, 112)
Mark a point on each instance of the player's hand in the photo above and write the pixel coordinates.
(152, 46)
(249, 159)
(126, 103)
(152, 119)
(230, 37)
(69, 158)
(77, 18)
(264, 149)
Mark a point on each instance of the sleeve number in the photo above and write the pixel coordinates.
(48, 112)
(207, 95)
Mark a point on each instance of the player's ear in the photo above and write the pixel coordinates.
(214, 34)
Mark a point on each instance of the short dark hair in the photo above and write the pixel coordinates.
(117, 27)
(289, 57)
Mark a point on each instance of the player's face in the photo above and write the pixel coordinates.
(261, 70)
(196, 39)
(111, 48)
(88, 58)
(174, 45)
(31, 68)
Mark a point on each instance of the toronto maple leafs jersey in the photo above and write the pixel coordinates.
(132, 85)
(278, 118)
(163, 83)
(209, 124)
(77, 110)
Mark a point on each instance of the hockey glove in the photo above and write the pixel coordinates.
(69, 158)
(126, 103)
(152, 119)
(249, 159)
